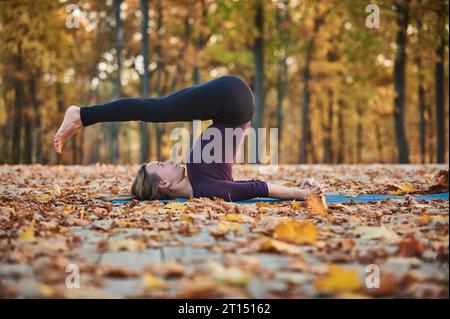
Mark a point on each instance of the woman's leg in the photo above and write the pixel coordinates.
(225, 99)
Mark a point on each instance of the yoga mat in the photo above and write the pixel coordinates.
(331, 198)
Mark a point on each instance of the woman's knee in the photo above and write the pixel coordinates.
(243, 102)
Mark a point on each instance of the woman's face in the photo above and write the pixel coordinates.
(168, 170)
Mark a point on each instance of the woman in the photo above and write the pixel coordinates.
(226, 100)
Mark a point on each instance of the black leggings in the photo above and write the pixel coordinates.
(226, 99)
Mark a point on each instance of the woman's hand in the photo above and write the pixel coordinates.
(312, 185)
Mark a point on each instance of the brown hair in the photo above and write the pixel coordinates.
(146, 186)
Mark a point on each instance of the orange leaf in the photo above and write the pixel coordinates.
(297, 232)
(317, 205)
(410, 246)
(338, 280)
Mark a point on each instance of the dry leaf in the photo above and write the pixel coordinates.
(374, 232)
(229, 226)
(56, 190)
(297, 232)
(317, 205)
(153, 282)
(126, 244)
(410, 246)
(26, 234)
(338, 280)
(405, 189)
(229, 275)
(273, 245)
(176, 206)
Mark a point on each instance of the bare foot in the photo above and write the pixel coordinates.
(69, 127)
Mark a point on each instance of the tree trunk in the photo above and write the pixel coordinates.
(328, 131)
(37, 133)
(258, 79)
(422, 112)
(430, 132)
(28, 142)
(359, 133)
(440, 94)
(378, 137)
(145, 140)
(400, 81)
(18, 101)
(282, 71)
(305, 142)
(114, 128)
(341, 134)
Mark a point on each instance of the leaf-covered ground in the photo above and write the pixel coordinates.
(53, 216)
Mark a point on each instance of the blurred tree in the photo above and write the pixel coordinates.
(145, 143)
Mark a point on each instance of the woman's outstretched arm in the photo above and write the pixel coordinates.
(290, 193)
(284, 192)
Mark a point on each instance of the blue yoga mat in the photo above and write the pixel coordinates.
(331, 198)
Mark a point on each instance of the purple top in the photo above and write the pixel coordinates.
(215, 179)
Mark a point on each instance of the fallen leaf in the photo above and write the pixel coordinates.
(126, 244)
(297, 232)
(125, 224)
(26, 234)
(276, 246)
(153, 282)
(186, 218)
(229, 226)
(425, 220)
(43, 198)
(176, 206)
(317, 205)
(338, 280)
(56, 190)
(375, 232)
(410, 246)
(229, 275)
(237, 218)
(405, 189)
(296, 205)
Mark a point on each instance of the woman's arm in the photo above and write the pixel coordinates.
(284, 192)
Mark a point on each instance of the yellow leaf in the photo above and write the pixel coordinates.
(43, 198)
(26, 234)
(296, 205)
(47, 291)
(374, 232)
(273, 245)
(297, 232)
(317, 205)
(176, 206)
(229, 275)
(229, 226)
(405, 189)
(186, 218)
(125, 224)
(126, 244)
(153, 282)
(62, 229)
(233, 218)
(425, 219)
(263, 209)
(56, 190)
(338, 280)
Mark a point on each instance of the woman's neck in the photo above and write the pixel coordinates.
(182, 189)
